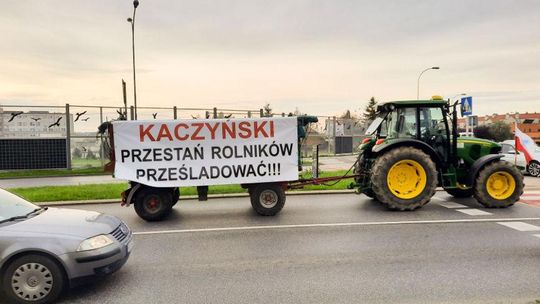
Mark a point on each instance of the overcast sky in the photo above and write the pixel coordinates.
(319, 56)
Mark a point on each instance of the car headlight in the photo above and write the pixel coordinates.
(95, 242)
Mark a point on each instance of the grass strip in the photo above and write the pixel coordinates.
(113, 190)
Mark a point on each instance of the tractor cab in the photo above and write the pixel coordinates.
(420, 122)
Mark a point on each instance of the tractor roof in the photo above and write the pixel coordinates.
(390, 105)
(415, 103)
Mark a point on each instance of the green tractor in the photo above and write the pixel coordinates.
(414, 147)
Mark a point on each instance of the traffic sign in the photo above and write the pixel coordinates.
(466, 106)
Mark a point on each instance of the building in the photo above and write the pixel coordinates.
(20, 124)
(528, 123)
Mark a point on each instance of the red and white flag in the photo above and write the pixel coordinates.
(525, 144)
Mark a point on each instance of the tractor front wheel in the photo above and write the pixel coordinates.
(404, 178)
(498, 185)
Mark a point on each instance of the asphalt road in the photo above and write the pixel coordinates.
(327, 249)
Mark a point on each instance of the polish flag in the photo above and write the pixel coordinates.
(525, 144)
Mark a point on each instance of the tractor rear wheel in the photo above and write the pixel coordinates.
(498, 185)
(460, 193)
(404, 178)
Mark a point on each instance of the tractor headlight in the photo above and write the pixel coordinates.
(95, 242)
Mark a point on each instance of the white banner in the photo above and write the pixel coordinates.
(197, 152)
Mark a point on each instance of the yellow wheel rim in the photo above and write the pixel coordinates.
(406, 179)
(500, 185)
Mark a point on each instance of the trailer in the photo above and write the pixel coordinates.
(160, 157)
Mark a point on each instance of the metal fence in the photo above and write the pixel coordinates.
(333, 135)
(78, 124)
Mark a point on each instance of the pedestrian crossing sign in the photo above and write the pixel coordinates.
(466, 106)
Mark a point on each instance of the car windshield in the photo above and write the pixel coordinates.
(12, 205)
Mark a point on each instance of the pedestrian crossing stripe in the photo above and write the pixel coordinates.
(531, 199)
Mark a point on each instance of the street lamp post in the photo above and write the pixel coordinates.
(132, 21)
(418, 82)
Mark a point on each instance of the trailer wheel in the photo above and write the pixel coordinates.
(498, 185)
(175, 195)
(153, 204)
(267, 199)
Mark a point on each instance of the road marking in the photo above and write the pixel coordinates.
(538, 235)
(243, 228)
(451, 205)
(474, 212)
(520, 226)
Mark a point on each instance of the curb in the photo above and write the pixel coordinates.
(218, 196)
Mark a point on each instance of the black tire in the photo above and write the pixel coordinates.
(153, 204)
(267, 199)
(369, 193)
(381, 169)
(33, 279)
(175, 195)
(460, 193)
(481, 185)
(534, 168)
(359, 168)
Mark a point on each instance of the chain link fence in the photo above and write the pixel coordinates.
(76, 126)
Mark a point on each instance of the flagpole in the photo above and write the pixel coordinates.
(515, 144)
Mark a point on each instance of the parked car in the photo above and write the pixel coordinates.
(44, 250)
(513, 156)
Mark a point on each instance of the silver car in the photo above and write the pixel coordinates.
(43, 250)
